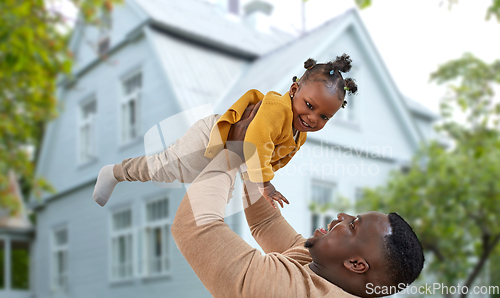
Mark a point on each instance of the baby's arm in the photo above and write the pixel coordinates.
(271, 194)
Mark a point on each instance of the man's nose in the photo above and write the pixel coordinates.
(343, 216)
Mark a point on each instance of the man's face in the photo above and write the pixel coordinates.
(350, 238)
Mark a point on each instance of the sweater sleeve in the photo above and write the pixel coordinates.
(269, 228)
(225, 263)
(264, 132)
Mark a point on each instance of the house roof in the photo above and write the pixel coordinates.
(286, 61)
(283, 62)
(208, 24)
(196, 74)
(418, 109)
(20, 220)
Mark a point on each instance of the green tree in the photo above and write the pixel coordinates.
(493, 9)
(451, 195)
(33, 54)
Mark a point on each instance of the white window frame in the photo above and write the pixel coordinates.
(129, 236)
(323, 218)
(164, 224)
(59, 280)
(130, 132)
(88, 153)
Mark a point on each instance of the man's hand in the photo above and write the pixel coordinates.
(238, 130)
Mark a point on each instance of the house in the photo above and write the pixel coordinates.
(152, 60)
(16, 234)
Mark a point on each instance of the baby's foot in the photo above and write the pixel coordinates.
(106, 182)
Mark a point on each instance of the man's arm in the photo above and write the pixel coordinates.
(225, 263)
(269, 228)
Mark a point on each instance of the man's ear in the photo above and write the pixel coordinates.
(357, 265)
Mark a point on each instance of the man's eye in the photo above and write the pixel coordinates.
(351, 224)
(309, 105)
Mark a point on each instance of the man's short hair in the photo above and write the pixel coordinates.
(404, 253)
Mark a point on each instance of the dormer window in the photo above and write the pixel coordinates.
(104, 41)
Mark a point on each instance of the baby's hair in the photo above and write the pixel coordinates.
(329, 73)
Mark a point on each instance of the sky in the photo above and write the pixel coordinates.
(413, 37)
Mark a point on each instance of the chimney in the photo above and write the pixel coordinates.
(231, 7)
(258, 15)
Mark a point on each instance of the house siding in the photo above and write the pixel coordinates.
(89, 230)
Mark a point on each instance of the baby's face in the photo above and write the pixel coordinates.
(313, 105)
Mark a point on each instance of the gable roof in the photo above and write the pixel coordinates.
(420, 110)
(283, 62)
(20, 220)
(196, 74)
(286, 61)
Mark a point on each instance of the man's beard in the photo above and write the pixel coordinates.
(308, 244)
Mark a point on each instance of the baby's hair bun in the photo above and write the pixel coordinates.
(310, 63)
(294, 79)
(343, 63)
(351, 85)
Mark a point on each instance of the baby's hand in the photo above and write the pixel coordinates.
(271, 194)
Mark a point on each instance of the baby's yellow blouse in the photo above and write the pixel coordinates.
(270, 131)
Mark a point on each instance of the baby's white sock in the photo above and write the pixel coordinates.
(106, 182)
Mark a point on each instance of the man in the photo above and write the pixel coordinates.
(356, 256)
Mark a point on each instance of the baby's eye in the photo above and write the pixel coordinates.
(309, 105)
(324, 117)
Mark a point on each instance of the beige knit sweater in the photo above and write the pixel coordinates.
(225, 263)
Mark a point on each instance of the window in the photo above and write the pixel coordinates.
(60, 259)
(405, 169)
(121, 245)
(16, 275)
(157, 234)
(19, 265)
(104, 33)
(358, 196)
(130, 106)
(322, 198)
(87, 146)
(103, 46)
(2, 263)
(349, 113)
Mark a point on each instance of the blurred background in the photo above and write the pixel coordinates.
(83, 83)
